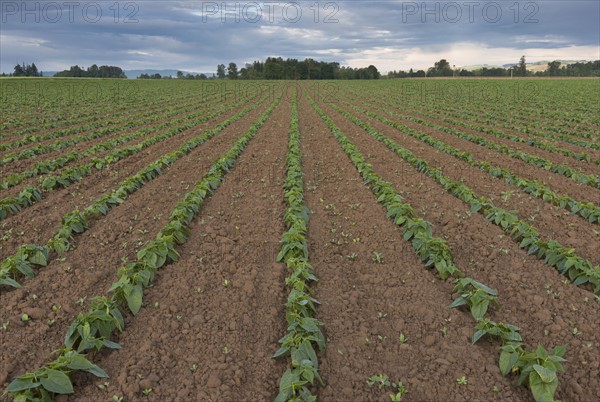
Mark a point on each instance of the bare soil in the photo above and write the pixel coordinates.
(212, 320)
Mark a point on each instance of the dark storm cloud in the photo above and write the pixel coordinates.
(391, 34)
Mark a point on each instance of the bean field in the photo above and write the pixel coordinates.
(222, 240)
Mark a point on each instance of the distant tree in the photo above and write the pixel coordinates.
(373, 72)
(156, 76)
(492, 72)
(221, 71)
(440, 69)
(180, 75)
(76, 71)
(521, 68)
(273, 69)
(554, 68)
(32, 70)
(443, 64)
(19, 72)
(26, 70)
(93, 71)
(232, 71)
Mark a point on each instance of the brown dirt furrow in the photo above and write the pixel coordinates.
(587, 167)
(68, 121)
(594, 154)
(365, 306)
(532, 295)
(91, 267)
(34, 181)
(555, 181)
(72, 121)
(519, 120)
(39, 221)
(552, 121)
(228, 332)
(552, 222)
(51, 140)
(26, 164)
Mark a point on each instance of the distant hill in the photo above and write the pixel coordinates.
(534, 66)
(137, 73)
(543, 64)
(478, 66)
(163, 73)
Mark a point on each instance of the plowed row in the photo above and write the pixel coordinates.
(211, 320)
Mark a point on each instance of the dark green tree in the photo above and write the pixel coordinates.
(440, 69)
(373, 72)
(19, 72)
(232, 71)
(521, 68)
(221, 71)
(554, 68)
(93, 71)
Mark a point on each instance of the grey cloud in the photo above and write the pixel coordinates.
(173, 34)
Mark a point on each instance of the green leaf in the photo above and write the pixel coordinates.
(478, 310)
(577, 278)
(545, 374)
(21, 384)
(542, 392)
(79, 362)
(507, 362)
(559, 350)
(286, 380)
(97, 371)
(308, 351)
(460, 301)
(541, 352)
(487, 289)
(111, 345)
(57, 382)
(477, 335)
(24, 267)
(39, 259)
(9, 282)
(134, 299)
(282, 351)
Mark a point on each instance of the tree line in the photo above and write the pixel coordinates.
(442, 68)
(93, 72)
(276, 68)
(580, 69)
(26, 70)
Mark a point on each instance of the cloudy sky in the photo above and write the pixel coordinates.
(196, 36)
